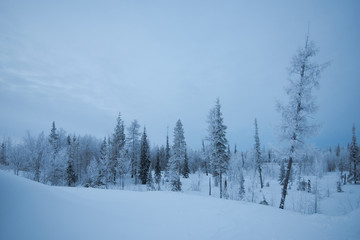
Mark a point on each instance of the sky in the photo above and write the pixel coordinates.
(80, 63)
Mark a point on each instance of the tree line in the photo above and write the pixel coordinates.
(70, 160)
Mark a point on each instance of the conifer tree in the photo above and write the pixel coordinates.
(103, 161)
(158, 170)
(218, 143)
(167, 157)
(258, 156)
(144, 158)
(178, 157)
(54, 139)
(149, 181)
(117, 145)
(70, 174)
(134, 148)
(354, 159)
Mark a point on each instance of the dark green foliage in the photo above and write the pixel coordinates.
(70, 174)
(3, 154)
(157, 168)
(144, 158)
(354, 160)
(176, 185)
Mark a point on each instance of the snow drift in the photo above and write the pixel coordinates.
(29, 210)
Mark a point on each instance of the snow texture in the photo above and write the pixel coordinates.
(30, 210)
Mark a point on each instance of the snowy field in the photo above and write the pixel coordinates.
(30, 210)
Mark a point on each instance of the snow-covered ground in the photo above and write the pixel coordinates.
(29, 210)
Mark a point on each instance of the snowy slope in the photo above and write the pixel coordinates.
(29, 210)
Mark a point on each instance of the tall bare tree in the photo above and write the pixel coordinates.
(304, 76)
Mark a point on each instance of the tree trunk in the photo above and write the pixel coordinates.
(209, 186)
(221, 190)
(261, 180)
(286, 182)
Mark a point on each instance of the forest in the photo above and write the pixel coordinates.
(125, 160)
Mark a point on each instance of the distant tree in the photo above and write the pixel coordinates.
(258, 156)
(144, 158)
(17, 158)
(117, 145)
(179, 149)
(149, 181)
(295, 126)
(54, 139)
(3, 156)
(158, 170)
(167, 158)
(103, 161)
(134, 148)
(70, 174)
(354, 159)
(92, 173)
(218, 142)
(167, 149)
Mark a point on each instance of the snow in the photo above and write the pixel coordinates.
(30, 210)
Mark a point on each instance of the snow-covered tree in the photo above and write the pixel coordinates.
(295, 125)
(144, 167)
(122, 167)
(134, 148)
(103, 161)
(93, 173)
(54, 140)
(178, 157)
(258, 156)
(117, 145)
(149, 181)
(354, 159)
(218, 142)
(70, 174)
(158, 170)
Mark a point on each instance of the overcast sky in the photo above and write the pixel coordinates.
(80, 63)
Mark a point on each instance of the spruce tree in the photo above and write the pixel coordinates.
(70, 174)
(134, 148)
(103, 161)
(179, 149)
(54, 139)
(117, 145)
(258, 157)
(144, 158)
(354, 159)
(158, 170)
(150, 181)
(218, 143)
